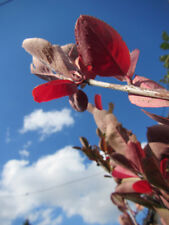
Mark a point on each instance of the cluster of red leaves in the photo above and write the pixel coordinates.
(99, 50)
(142, 175)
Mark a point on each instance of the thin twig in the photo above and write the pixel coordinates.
(131, 89)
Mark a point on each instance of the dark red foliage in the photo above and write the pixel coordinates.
(53, 90)
(142, 186)
(101, 49)
(98, 102)
(79, 101)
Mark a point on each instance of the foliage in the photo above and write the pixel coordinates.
(26, 222)
(141, 174)
(165, 58)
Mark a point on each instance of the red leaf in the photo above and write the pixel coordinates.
(98, 102)
(142, 101)
(163, 167)
(142, 186)
(101, 48)
(53, 89)
(120, 172)
(157, 118)
(134, 55)
(135, 153)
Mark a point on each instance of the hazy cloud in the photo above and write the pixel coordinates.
(47, 123)
(24, 153)
(8, 138)
(45, 217)
(57, 181)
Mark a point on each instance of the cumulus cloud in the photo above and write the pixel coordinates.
(60, 180)
(47, 123)
(24, 152)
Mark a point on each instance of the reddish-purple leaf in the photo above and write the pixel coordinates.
(161, 150)
(126, 187)
(139, 198)
(164, 214)
(101, 49)
(152, 171)
(142, 101)
(98, 102)
(121, 160)
(157, 118)
(120, 172)
(163, 167)
(53, 89)
(134, 55)
(79, 101)
(142, 186)
(119, 201)
(135, 153)
(158, 133)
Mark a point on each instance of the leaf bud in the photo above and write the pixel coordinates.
(79, 101)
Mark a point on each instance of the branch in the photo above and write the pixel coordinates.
(131, 89)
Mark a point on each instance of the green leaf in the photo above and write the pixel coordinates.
(163, 58)
(164, 45)
(165, 36)
(166, 65)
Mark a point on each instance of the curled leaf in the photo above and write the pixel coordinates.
(134, 55)
(41, 70)
(79, 101)
(50, 55)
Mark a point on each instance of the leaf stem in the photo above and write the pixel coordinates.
(131, 89)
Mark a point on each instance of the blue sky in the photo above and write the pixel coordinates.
(36, 139)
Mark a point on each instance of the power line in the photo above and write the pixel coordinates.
(28, 193)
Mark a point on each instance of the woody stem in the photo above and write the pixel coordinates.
(131, 89)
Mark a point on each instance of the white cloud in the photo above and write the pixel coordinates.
(53, 181)
(24, 153)
(8, 138)
(45, 217)
(143, 144)
(47, 123)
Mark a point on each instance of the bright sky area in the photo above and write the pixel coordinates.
(42, 177)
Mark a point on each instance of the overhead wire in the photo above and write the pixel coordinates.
(28, 193)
